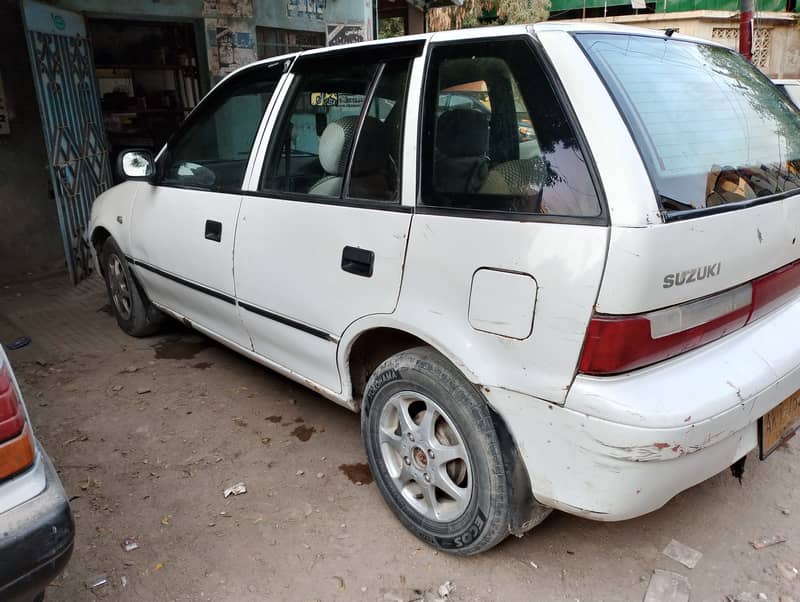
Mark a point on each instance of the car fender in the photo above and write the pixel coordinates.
(112, 211)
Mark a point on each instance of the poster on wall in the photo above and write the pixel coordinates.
(231, 44)
(227, 8)
(310, 9)
(344, 34)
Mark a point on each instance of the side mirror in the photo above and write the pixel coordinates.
(135, 164)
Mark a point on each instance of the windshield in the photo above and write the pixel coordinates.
(711, 128)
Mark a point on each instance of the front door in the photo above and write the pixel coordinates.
(69, 104)
(322, 235)
(183, 226)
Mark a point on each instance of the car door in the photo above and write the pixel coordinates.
(183, 226)
(322, 232)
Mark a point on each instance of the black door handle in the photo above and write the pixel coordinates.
(213, 230)
(358, 261)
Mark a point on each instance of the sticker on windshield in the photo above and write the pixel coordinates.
(324, 99)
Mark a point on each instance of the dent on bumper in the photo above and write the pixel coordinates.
(607, 471)
(36, 542)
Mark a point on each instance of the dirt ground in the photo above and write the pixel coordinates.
(148, 433)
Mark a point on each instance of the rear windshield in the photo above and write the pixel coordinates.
(711, 128)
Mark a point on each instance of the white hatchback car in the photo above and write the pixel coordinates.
(552, 266)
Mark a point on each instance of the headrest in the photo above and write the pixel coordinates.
(463, 133)
(337, 140)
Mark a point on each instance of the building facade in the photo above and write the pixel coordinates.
(82, 79)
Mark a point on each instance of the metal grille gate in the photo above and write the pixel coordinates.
(64, 75)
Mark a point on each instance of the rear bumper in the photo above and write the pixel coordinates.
(624, 446)
(36, 542)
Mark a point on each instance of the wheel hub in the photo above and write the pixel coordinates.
(425, 456)
(420, 459)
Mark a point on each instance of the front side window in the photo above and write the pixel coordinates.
(496, 139)
(212, 150)
(340, 132)
(711, 128)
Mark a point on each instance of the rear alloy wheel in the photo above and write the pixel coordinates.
(133, 311)
(434, 453)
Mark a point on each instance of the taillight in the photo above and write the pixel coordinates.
(16, 444)
(617, 344)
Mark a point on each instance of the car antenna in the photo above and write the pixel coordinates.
(669, 31)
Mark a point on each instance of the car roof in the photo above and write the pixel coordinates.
(477, 33)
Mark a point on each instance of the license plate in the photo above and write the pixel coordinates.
(778, 424)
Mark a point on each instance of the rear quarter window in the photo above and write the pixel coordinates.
(711, 128)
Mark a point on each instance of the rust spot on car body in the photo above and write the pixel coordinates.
(660, 445)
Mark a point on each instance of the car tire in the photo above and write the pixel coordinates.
(131, 308)
(434, 453)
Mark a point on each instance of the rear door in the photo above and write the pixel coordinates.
(183, 226)
(322, 233)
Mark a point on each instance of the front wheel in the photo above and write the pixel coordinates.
(434, 453)
(133, 311)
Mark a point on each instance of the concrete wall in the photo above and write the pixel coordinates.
(30, 239)
(776, 48)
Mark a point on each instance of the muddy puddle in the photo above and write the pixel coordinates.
(180, 347)
(304, 432)
(357, 473)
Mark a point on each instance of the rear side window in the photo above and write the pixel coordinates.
(711, 128)
(341, 131)
(495, 138)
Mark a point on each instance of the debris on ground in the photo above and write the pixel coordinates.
(300, 473)
(129, 544)
(18, 343)
(131, 369)
(742, 597)
(341, 583)
(165, 519)
(240, 422)
(142, 390)
(682, 553)
(440, 594)
(96, 581)
(787, 571)
(158, 566)
(117, 388)
(445, 589)
(666, 586)
(124, 581)
(320, 475)
(81, 437)
(237, 489)
(765, 542)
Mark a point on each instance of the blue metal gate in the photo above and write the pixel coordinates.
(66, 86)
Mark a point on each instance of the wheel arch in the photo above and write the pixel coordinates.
(370, 341)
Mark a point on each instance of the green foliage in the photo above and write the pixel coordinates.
(477, 13)
(391, 27)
